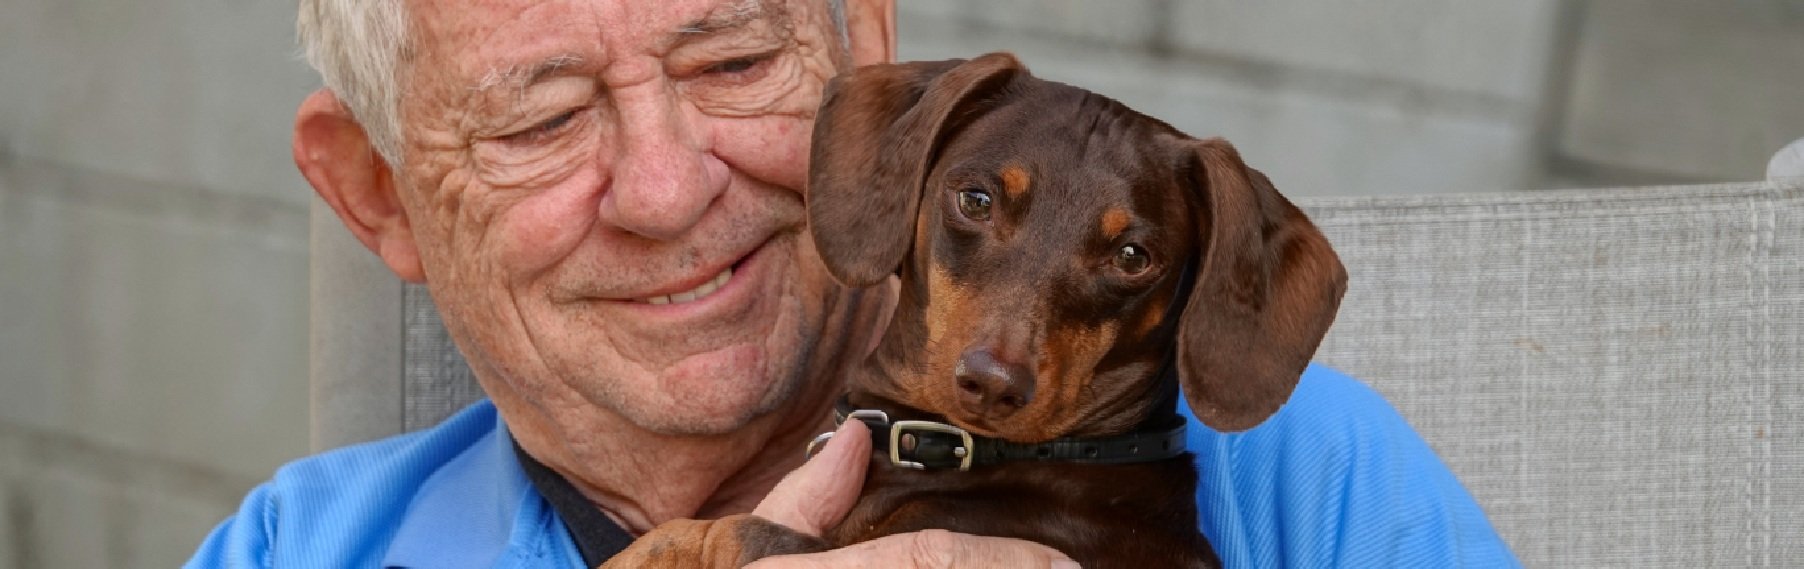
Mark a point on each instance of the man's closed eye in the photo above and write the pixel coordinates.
(740, 69)
(542, 131)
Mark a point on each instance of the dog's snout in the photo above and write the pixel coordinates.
(992, 387)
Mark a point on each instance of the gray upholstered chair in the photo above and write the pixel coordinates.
(1616, 375)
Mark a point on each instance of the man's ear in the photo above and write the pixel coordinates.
(871, 28)
(336, 157)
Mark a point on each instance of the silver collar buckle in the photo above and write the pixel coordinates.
(902, 428)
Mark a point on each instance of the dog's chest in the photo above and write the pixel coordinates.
(1137, 516)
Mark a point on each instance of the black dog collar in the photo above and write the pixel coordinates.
(929, 444)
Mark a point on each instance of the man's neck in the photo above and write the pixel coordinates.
(642, 478)
(645, 478)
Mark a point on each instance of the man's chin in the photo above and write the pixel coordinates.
(706, 399)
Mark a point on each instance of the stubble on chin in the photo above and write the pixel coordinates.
(695, 403)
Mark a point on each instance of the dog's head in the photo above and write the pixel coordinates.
(1043, 234)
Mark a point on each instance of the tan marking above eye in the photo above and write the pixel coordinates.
(1014, 181)
(1114, 221)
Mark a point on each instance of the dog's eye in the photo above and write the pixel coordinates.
(1132, 259)
(974, 204)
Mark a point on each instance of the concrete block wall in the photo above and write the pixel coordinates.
(153, 284)
(1695, 90)
(1343, 98)
(1423, 96)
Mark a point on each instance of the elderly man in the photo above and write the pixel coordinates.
(604, 198)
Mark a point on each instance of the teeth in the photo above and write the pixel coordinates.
(702, 291)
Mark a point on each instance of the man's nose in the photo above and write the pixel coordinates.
(664, 175)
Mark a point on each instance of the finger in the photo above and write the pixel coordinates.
(820, 493)
(930, 549)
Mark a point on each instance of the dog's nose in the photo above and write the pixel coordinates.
(989, 386)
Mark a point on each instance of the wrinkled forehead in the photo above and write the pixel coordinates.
(491, 43)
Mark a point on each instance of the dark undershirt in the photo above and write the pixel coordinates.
(596, 535)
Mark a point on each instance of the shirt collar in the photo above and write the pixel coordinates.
(465, 514)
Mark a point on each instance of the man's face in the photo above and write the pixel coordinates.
(606, 197)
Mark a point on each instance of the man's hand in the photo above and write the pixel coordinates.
(819, 494)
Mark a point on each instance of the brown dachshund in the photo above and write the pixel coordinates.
(1066, 264)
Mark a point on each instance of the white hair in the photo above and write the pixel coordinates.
(358, 46)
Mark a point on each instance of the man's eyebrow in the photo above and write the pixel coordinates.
(730, 16)
(726, 17)
(522, 76)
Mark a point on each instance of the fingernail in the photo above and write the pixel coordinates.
(837, 439)
(849, 425)
(1065, 564)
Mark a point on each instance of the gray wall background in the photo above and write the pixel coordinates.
(153, 245)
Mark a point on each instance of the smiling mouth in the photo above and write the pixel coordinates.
(699, 292)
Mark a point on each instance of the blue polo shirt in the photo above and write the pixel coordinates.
(1335, 479)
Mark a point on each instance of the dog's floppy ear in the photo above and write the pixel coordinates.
(877, 134)
(1267, 287)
